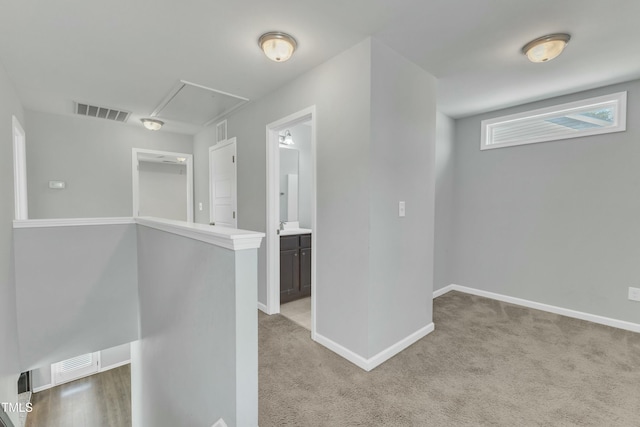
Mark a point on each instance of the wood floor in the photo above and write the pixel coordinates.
(101, 400)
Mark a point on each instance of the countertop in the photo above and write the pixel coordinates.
(295, 231)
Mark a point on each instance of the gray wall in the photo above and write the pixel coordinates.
(201, 143)
(444, 200)
(9, 369)
(187, 362)
(554, 222)
(41, 376)
(340, 89)
(354, 217)
(162, 190)
(76, 291)
(93, 157)
(115, 355)
(402, 159)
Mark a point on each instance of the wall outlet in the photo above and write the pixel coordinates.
(401, 209)
(634, 294)
(200, 206)
(57, 185)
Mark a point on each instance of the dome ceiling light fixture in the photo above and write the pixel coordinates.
(546, 48)
(277, 46)
(152, 124)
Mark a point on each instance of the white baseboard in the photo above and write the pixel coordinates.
(352, 357)
(442, 291)
(607, 321)
(102, 369)
(220, 423)
(262, 308)
(115, 365)
(43, 388)
(378, 359)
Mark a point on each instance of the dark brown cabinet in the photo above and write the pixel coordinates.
(295, 267)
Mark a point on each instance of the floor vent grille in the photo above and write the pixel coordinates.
(101, 112)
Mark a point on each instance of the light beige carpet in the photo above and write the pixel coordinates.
(486, 363)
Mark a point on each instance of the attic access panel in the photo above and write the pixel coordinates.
(195, 104)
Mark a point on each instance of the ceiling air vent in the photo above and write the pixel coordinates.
(101, 112)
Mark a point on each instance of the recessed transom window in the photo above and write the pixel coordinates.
(593, 116)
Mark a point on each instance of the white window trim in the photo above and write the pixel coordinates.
(620, 123)
(19, 170)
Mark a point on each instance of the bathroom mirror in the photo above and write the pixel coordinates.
(289, 159)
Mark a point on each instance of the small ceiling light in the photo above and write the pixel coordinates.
(546, 48)
(152, 124)
(286, 139)
(277, 46)
(181, 159)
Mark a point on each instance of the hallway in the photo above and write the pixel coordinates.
(101, 400)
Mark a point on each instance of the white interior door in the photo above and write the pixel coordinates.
(223, 184)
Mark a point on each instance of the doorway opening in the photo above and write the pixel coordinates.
(291, 215)
(162, 184)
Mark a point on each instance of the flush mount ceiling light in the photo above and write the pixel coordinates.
(277, 46)
(286, 139)
(546, 48)
(152, 124)
(181, 159)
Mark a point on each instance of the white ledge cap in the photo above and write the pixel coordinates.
(71, 222)
(230, 238)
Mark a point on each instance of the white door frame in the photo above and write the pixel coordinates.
(219, 145)
(273, 210)
(19, 170)
(135, 174)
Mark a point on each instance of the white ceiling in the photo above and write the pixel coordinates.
(128, 54)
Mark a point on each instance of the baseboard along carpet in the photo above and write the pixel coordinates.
(487, 363)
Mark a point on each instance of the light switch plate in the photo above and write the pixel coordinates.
(634, 294)
(57, 185)
(401, 209)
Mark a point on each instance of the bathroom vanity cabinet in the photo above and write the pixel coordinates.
(295, 267)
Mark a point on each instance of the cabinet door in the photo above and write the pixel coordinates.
(289, 275)
(305, 241)
(305, 272)
(288, 243)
